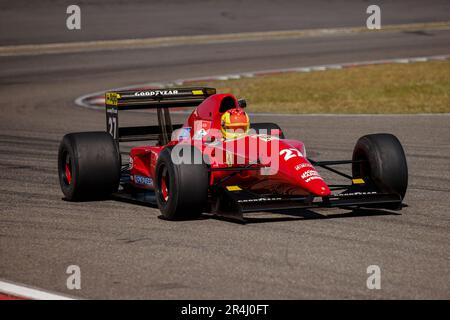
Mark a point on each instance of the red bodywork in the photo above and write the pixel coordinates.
(290, 171)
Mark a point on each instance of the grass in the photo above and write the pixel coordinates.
(422, 87)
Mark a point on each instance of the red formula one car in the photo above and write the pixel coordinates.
(197, 167)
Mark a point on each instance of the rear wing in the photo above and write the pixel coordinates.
(159, 99)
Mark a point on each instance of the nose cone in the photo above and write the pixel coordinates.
(296, 170)
(310, 180)
(319, 188)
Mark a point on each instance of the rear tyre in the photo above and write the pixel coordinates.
(181, 188)
(88, 165)
(268, 128)
(384, 162)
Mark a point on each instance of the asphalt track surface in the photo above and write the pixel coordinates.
(126, 251)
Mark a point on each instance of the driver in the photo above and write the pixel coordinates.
(235, 123)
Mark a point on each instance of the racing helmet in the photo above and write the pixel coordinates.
(235, 123)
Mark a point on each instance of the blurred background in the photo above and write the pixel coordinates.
(125, 251)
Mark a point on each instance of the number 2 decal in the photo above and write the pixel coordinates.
(290, 153)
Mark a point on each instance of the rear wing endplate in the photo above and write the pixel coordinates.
(159, 99)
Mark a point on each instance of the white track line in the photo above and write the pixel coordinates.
(81, 101)
(21, 291)
(125, 44)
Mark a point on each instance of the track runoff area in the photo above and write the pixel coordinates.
(15, 291)
(96, 100)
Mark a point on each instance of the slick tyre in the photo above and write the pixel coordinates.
(181, 187)
(384, 162)
(88, 165)
(267, 127)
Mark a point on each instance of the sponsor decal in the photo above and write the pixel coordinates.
(185, 134)
(156, 93)
(203, 124)
(310, 175)
(201, 129)
(265, 137)
(352, 194)
(112, 98)
(303, 165)
(199, 134)
(313, 178)
(147, 181)
(260, 199)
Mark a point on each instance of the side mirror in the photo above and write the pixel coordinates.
(242, 103)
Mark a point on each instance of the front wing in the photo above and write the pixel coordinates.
(235, 202)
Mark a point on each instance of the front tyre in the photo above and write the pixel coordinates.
(88, 165)
(383, 162)
(181, 187)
